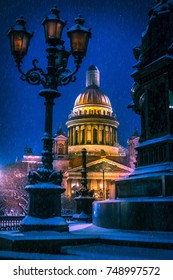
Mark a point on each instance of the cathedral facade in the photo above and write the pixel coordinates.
(91, 125)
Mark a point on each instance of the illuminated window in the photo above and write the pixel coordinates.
(60, 149)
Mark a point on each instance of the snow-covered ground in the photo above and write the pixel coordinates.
(105, 244)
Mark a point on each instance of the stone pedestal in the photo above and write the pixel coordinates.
(83, 208)
(44, 211)
(146, 214)
(84, 198)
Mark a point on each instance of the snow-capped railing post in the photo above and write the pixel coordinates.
(45, 184)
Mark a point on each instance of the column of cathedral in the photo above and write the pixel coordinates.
(80, 135)
(110, 135)
(113, 131)
(68, 187)
(69, 136)
(106, 134)
(99, 134)
(73, 128)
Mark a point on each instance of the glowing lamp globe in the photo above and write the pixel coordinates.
(79, 37)
(19, 39)
(53, 27)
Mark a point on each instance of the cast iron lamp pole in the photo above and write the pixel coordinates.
(84, 197)
(45, 189)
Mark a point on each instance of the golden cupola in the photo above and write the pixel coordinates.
(92, 95)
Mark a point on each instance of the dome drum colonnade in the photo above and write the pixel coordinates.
(92, 134)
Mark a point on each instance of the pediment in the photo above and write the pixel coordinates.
(106, 167)
(61, 137)
(106, 164)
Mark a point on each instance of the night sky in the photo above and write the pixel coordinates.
(116, 29)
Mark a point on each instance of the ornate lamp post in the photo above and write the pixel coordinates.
(84, 197)
(45, 184)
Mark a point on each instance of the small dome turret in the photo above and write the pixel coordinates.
(92, 77)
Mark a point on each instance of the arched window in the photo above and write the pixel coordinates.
(95, 136)
(103, 136)
(60, 149)
(83, 136)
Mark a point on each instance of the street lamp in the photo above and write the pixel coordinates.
(84, 197)
(45, 189)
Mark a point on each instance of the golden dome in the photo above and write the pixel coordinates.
(92, 96)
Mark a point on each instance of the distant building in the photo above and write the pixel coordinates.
(133, 142)
(30, 157)
(93, 125)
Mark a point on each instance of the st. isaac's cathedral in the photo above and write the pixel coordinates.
(93, 125)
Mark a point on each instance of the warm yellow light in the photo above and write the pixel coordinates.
(79, 42)
(18, 43)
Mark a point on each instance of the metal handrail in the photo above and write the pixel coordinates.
(10, 222)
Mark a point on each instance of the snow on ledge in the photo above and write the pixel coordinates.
(156, 140)
(29, 220)
(44, 185)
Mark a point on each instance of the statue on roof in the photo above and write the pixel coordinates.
(28, 150)
(60, 131)
(157, 39)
